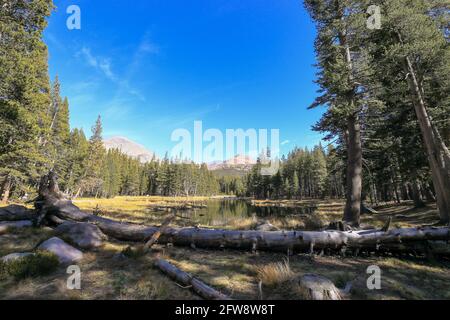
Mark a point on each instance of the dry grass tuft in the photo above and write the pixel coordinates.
(315, 222)
(275, 273)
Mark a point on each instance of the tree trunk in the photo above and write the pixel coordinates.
(354, 172)
(429, 194)
(78, 193)
(405, 191)
(352, 210)
(6, 189)
(416, 195)
(395, 188)
(437, 152)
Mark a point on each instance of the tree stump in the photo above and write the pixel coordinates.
(316, 287)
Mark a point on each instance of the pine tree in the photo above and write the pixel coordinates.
(319, 170)
(60, 132)
(412, 43)
(340, 25)
(24, 93)
(76, 160)
(94, 162)
(295, 185)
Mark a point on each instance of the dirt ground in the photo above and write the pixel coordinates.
(108, 274)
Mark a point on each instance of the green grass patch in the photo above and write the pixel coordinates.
(40, 264)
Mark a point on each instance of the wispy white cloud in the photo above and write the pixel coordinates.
(121, 103)
(147, 46)
(178, 120)
(53, 40)
(105, 66)
(81, 99)
(99, 63)
(90, 59)
(83, 85)
(285, 142)
(116, 110)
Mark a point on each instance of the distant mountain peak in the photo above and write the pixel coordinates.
(129, 148)
(243, 162)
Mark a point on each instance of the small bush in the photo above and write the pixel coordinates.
(3, 271)
(342, 279)
(39, 264)
(134, 253)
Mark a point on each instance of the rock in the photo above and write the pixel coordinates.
(84, 235)
(15, 213)
(66, 253)
(266, 226)
(16, 256)
(316, 287)
(5, 226)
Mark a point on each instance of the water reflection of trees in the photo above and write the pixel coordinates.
(220, 212)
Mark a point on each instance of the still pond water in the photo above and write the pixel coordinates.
(224, 212)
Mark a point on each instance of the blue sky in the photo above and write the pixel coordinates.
(149, 67)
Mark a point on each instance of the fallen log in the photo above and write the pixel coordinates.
(367, 210)
(199, 287)
(407, 240)
(395, 240)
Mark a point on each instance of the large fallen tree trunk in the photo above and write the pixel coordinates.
(53, 207)
(202, 289)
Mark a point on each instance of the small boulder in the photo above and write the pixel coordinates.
(15, 256)
(15, 213)
(83, 234)
(65, 253)
(266, 226)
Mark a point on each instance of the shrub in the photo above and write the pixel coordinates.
(3, 271)
(134, 253)
(39, 264)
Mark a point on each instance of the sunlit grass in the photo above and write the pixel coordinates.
(275, 273)
(131, 204)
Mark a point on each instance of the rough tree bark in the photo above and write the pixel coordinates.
(352, 209)
(354, 172)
